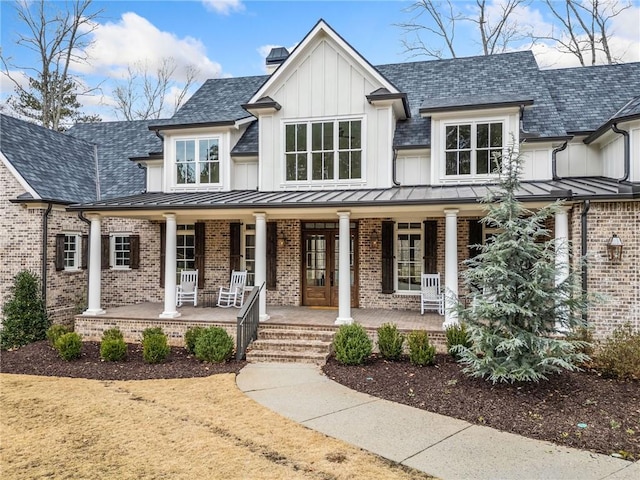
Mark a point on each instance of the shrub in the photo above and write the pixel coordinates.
(352, 344)
(421, 352)
(151, 331)
(69, 345)
(190, 337)
(214, 345)
(457, 335)
(25, 318)
(56, 331)
(113, 348)
(619, 357)
(390, 341)
(155, 348)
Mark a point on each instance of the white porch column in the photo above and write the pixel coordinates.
(261, 262)
(451, 266)
(562, 255)
(95, 268)
(170, 268)
(344, 270)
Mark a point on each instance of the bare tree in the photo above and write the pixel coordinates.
(59, 38)
(437, 20)
(584, 28)
(144, 93)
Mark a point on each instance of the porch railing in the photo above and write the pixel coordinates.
(247, 322)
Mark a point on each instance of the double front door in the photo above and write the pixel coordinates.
(320, 268)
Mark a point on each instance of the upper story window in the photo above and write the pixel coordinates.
(473, 148)
(323, 151)
(197, 161)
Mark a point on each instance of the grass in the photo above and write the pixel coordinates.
(67, 428)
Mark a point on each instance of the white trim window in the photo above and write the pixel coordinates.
(249, 248)
(408, 257)
(72, 247)
(185, 248)
(120, 251)
(197, 161)
(473, 148)
(321, 151)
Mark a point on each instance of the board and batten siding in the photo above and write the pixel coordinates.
(579, 160)
(413, 169)
(537, 162)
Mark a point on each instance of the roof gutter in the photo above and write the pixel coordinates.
(627, 152)
(45, 235)
(554, 161)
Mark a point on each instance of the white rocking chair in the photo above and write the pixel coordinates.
(431, 296)
(233, 296)
(188, 288)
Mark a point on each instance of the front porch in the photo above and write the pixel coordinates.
(133, 319)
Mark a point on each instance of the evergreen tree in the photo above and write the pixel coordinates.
(25, 318)
(520, 311)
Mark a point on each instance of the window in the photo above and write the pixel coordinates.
(473, 148)
(321, 151)
(186, 249)
(120, 251)
(408, 257)
(250, 253)
(197, 161)
(71, 251)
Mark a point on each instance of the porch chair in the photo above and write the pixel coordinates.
(188, 288)
(233, 296)
(431, 296)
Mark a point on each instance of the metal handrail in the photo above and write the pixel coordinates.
(247, 322)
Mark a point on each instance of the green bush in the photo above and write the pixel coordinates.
(421, 352)
(25, 317)
(457, 335)
(390, 341)
(190, 337)
(151, 331)
(69, 346)
(155, 348)
(352, 344)
(56, 331)
(619, 357)
(214, 345)
(112, 347)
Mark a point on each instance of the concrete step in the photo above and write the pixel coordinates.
(286, 343)
(291, 345)
(256, 356)
(296, 334)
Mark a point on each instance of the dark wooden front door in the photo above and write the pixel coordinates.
(320, 259)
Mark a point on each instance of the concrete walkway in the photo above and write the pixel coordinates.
(439, 445)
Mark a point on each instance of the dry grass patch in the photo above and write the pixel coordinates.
(156, 429)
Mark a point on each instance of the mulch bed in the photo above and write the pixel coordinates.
(40, 358)
(581, 410)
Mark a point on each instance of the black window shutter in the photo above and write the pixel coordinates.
(60, 251)
(84, 252)
(272, 255)
(134, 251)
(234, 246)
(105, 252)
(163, 251)
(475, 237)
(200, 239)
(387, 256)
(430, 246)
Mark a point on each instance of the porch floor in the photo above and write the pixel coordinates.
(287, 315)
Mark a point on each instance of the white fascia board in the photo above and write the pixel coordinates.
(244, 121)
(19, 177)
(320, 28)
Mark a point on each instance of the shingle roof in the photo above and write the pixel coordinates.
(56, 166)
(573, 189)
(248, 143)
(117, 142)
(434, 81)
(586, 97)
(218, 100)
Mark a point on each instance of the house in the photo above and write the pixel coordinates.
(332, 181)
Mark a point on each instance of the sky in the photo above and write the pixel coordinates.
(232, 37)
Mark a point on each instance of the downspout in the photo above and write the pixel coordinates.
(627, 152)
(45, 234)
(395, 160)
(554, 164)
(583, 248)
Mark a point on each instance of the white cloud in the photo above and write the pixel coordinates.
(133, 39)
(7, 86)
(224, 7)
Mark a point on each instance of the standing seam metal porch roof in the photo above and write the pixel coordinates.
(570, 189)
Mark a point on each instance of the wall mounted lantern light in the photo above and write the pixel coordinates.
(282, 241)
(614, 248)
(374, 240)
